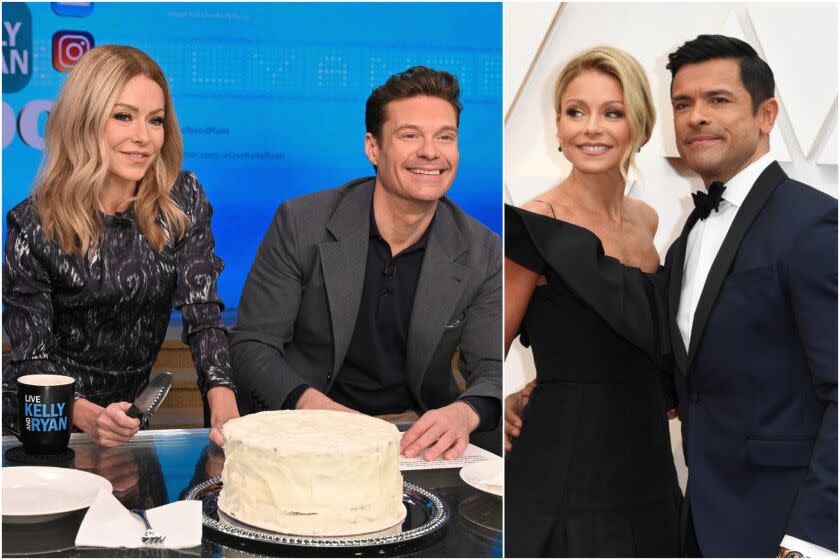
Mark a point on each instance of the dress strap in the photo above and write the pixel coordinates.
(549, 206)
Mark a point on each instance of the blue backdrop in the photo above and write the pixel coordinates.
(270, 96)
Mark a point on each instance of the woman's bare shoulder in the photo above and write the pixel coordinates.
(643, 214)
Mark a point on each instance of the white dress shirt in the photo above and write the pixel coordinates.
(702, 247)
(705, 239)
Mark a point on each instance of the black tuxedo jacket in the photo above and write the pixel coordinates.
(757, 387)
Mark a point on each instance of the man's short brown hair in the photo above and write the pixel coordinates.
(416, 81)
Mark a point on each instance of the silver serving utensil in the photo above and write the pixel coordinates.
(150, 399)
(151, 536)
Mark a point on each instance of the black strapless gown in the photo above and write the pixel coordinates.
(592, 472)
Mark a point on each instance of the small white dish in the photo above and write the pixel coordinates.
(39, 494)
(481, 475)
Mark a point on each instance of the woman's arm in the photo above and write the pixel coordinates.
(27, 308)
(27, 301)
(196, 297)
(520, 283)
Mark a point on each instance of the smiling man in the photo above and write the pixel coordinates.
(360, 296)
(753, 313)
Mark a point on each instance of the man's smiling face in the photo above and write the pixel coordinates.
(416, 156)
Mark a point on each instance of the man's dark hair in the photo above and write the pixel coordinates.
(756, 75)
(417, 80)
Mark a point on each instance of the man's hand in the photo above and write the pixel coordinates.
(222, 401)
(314, 399)
(515, 404)
(446, 431)
(109, 426)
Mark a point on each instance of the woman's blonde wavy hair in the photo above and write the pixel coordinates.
(638, 102)
(77, 156)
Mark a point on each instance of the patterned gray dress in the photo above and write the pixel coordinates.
(102, 320)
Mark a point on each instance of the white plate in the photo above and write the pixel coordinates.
(38, 494)
(476, 475)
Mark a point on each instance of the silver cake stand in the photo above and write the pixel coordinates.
(426, 516)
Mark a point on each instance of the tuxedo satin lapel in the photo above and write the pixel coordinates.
(757, 197)
(440, 286)
(674, 291)
(343, 262)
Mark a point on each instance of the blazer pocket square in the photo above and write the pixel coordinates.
(457, 321)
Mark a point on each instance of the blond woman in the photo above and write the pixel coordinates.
(591, 471)
(113, 237)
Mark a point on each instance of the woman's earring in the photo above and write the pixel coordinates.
(559, 148)
(639, 149)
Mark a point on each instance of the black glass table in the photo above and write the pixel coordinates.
(159, 466)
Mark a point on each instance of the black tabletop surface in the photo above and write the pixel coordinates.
(160, 466)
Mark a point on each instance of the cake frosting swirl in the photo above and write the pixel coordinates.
(312, 472)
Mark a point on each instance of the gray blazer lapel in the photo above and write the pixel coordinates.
(440, 286)
(343, 262)
(757, 197)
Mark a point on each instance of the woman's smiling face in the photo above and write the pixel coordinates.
(591, 126)
(134, 131)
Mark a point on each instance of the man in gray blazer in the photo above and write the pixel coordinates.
(360, 296)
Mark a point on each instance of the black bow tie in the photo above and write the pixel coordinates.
(706, 202)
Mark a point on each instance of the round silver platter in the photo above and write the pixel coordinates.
(426, 515)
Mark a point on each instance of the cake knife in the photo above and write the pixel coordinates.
(150, 399)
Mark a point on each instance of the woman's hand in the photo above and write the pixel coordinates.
(515, 404)
(109, 426)
(222, 401)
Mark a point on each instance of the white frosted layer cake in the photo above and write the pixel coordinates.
(312, 472)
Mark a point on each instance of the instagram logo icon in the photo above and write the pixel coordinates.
(68, 47)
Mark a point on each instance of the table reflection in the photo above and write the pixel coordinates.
(159, 466)
(134, 472)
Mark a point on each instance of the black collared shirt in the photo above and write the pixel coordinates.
(372, 379)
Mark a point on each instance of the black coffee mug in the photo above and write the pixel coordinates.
(45, 412)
